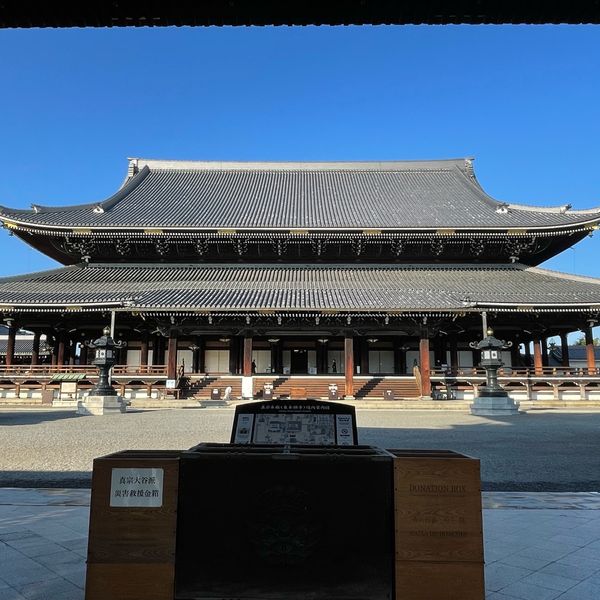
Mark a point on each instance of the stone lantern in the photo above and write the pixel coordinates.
(491, 398)
(103, 398)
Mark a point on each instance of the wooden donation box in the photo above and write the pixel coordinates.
(272, 516)
(133, 523)
(439, 533)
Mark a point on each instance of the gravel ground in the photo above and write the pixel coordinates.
(547, 450)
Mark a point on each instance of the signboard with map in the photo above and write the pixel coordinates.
(290, 422)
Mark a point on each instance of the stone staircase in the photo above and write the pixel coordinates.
(201, 389)
(317, 387)
(375, 387)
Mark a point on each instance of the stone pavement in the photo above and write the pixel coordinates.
(538, 546)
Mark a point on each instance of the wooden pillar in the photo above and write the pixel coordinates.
(324, 368)
(349, 364)
(453, 354)
(528, 353)
(172, 361)
(54, 359)
(564, 350)
(399, 367)
(144, 351)
(425, 366)
(83, 355)
(155, 351)
(319, 352)
(233, 355)
(199, 362)
(158, 350)
(35, 350)
(544, 344)
(589, 351)
(515, 354)
(247, 359)
(439, 352)
(10, 345)
(476, 358)
(60, 357)
(364, 356)
(275, 366)
(73, 353)
(537, 357)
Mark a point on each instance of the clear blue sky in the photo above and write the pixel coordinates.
(523, 100)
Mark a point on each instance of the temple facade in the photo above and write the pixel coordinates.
(369, 276)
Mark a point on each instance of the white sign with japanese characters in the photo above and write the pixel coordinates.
(136, 487)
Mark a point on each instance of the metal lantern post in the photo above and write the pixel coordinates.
(103, 398)
(492, 399)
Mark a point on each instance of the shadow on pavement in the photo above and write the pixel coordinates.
(46, 479)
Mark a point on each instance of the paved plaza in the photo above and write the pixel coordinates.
(541, 450)
(538, 545)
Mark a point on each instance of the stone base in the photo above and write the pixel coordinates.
(212, 403)
(102, 405)
(494, 406)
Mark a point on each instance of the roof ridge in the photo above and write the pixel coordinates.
(376, 165)
(304, 266)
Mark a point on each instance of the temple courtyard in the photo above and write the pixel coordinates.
(538, 450)
(540, 471)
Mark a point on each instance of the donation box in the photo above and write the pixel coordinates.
(275, 523)
(292, 509)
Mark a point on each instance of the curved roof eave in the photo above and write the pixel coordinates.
(126, 188)
(560, 209)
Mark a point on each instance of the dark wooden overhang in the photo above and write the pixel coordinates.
(154, 13)
(527, 245)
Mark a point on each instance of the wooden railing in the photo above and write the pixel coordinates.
(519, 372)
(7, 371)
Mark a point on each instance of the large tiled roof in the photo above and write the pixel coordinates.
(381, 195)
(302, 287)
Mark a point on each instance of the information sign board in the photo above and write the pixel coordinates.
(282, 422)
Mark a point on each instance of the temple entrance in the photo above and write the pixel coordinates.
(299, 361)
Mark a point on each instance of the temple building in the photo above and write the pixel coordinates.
(371, 276)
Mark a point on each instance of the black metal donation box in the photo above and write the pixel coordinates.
(285, 522)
